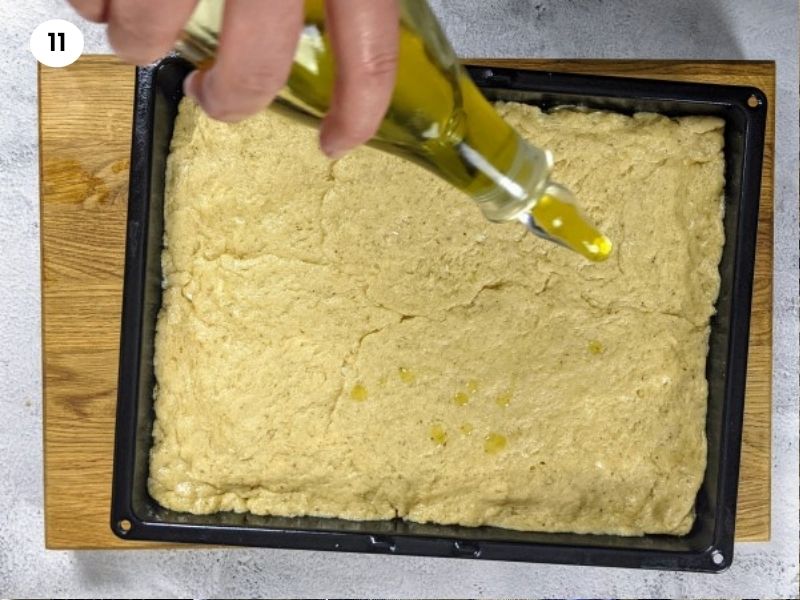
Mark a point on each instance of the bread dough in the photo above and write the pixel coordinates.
(353, 339)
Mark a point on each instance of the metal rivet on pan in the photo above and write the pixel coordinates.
(717, 558)
(124, 526)
(754, 101)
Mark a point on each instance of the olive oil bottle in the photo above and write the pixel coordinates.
(437, 118)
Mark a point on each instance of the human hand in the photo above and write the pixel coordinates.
(257, 46)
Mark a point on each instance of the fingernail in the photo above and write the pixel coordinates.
(193, 87)
(333, 149)
(190, 86)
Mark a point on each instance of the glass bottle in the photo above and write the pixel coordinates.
(437, 118)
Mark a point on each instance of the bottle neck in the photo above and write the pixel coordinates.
(516, 187)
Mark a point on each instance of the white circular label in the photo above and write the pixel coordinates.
(57, 43)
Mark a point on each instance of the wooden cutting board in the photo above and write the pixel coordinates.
(85, 135)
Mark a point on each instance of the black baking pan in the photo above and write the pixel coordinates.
(709, 545)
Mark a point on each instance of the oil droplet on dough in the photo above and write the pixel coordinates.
(494, 443)
(472, 386)
(503, 399)
(466, 428)
(407, 376)
(438, 435)
(358, 393)
(596, 347)
(461, 399)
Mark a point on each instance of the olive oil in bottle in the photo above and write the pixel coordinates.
(437, 118)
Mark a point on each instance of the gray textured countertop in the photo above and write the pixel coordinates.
(743, 29)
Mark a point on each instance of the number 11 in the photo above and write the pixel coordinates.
(53, 41)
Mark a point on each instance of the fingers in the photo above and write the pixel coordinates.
(257, 46)
(142, 30)
(256, 49)
(91, 10)
(364, 35)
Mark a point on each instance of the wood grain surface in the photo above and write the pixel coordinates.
(85, 135)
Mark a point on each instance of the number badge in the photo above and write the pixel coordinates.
(57, 43)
